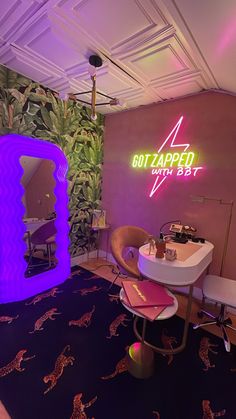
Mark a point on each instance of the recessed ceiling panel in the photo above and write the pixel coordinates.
(27, 70)
(184, 88)
(114, 81)
(213, 25)
(171, 87)
(14, 13)
(29, 66)
(114, 21)
(158, 63)
(161, 48)
(40, 39)
(141, 101)
(159, 59)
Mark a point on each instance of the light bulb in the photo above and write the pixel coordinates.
(93, 116)
(117, 102)
(114, 102)
(122, 103)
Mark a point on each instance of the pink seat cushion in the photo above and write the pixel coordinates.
(50, 240)
(222, 290)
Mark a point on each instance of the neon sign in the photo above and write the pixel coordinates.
(163, 160)
(168, 164)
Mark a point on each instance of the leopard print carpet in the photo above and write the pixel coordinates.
(63, 356)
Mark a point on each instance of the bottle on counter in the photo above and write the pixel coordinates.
(160, 247)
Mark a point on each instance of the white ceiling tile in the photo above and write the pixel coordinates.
(29, 65)
(141, 101)
(158, 63)
(25, 69)
(38, 38)
(184, 88)
(158, 59)
(114, 81)
(123, 26)
(217, 40)
(151, 49)
(168, 87)
(114, 21)
(14, 13)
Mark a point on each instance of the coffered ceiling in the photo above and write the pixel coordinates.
(152, 50)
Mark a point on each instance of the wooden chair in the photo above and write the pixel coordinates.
(44, 235)
(127, 238)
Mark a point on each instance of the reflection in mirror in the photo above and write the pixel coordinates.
(39, 217)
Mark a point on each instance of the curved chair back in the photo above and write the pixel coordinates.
(127, 236)
(43, 233)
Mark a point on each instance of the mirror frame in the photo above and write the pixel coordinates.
(13, 284)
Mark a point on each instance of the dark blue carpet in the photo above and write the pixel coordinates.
(176, 391)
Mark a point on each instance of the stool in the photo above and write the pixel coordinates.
(140, 356)
(222, 291)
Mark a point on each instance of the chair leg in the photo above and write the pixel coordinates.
(117, 273)
(30, 258)
(114, 280)
(231, 327)
(207, 314)
(49, 255)
(221, 321)
(221, 316)
(226, 339)
(196, 326)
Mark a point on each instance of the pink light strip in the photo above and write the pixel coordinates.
(174, 132)
(154, 188)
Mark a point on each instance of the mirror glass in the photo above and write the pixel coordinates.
(39, 218)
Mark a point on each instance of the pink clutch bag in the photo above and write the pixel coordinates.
(151, 313)
(146, 294)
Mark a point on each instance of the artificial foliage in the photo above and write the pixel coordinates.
(29, 109)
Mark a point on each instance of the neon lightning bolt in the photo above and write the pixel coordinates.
(158, 182)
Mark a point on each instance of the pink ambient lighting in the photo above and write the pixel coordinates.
(227, 37)
(13, 284)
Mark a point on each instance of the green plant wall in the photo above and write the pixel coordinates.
(27, 108)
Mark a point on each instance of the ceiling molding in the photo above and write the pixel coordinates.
(152, 50)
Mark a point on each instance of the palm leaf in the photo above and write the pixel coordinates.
(46, 118)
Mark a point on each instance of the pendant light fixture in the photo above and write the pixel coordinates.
(94, 62)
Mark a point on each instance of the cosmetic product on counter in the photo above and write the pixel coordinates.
(170, 254)
(160, 247)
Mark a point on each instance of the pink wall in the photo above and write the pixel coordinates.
(209, 126)
(41, 184)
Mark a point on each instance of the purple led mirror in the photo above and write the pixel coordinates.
(14, 285)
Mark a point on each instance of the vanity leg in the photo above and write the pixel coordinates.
(187, 318)
(144, 329)
(179, 348)
(140, 358)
